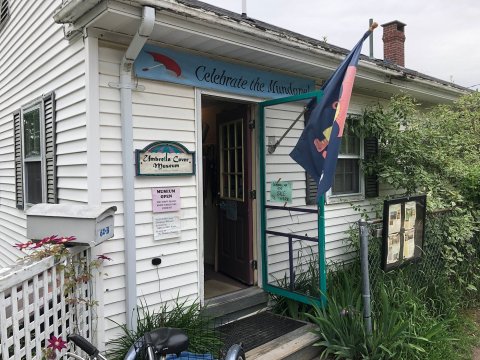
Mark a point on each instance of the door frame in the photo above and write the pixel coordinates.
(252, 102)
(321, 302)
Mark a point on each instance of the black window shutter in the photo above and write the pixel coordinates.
(311, 190)
(371, 180)
(310, 182)
(50, 153)
(17, 133)
(4, 13)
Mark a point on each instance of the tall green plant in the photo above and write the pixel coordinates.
(403, 325)
(187, 317)
(307, 275)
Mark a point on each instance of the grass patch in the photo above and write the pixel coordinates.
(467, 335)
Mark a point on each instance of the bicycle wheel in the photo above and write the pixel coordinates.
(235, 352)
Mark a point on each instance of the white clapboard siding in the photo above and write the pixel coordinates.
(35, 59)
(161, 112)
(279, 166)
(339, 217)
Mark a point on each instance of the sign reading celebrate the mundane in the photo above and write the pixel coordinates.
(180, 67)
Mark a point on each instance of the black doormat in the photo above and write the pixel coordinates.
(257, 330)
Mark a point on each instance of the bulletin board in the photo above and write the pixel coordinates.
(403, 231)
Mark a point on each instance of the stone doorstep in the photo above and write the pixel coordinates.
(296, 345)
(237, 304)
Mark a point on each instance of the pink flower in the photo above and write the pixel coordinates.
(49, 239)
(104, 257)
(56, 343)
(64, 239)
(23, 246)
(39, 244)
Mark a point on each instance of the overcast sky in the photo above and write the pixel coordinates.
(442, 36)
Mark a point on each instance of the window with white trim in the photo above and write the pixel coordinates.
(35, 170)
(347, 174)
(349, 181)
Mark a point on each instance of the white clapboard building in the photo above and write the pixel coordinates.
(153, 106)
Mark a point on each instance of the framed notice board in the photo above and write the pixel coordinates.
(403, 231)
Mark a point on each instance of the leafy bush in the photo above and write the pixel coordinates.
(404, 327)
(187, 317)
(416, 310)
(436, 152)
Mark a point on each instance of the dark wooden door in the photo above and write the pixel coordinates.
(235, 248)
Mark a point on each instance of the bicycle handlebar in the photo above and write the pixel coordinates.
(83, 344)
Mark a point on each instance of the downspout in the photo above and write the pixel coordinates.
(128, 161)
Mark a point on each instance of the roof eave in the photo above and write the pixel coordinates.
(284, 39)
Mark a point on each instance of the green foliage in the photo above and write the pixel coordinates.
(307, 277)
(416, 310)
(188, 317)
(467, 335)
(437, 152)
(406, 322)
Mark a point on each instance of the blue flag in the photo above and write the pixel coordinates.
(317, 149)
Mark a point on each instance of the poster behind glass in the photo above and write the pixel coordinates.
(403, 231)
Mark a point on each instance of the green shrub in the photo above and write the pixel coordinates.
(416, 309)
(403, 327)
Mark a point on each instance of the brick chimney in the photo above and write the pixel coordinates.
(393, 42)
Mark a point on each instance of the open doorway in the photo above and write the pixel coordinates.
(227, 205)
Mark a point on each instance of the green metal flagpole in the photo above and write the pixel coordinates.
(321, 251)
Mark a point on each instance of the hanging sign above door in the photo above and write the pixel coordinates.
(186, 68)
(165, 158)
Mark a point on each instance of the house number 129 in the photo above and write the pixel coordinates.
(104, 231)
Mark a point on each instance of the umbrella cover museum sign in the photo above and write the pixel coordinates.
(165, 158)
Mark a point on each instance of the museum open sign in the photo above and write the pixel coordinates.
(163, 158)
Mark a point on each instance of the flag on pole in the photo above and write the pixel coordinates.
(317, 149)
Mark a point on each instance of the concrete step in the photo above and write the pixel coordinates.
(296, 345)
(233, 306)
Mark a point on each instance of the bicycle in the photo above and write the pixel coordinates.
(156, 345)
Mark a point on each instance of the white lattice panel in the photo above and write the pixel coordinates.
(34, 306)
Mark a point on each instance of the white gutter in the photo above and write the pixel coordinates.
(282, 39)
(73, 10)
(235, 26)
(128, 161)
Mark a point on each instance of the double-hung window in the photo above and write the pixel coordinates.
(32, 154)
(35, 171)
(348, 179)
(349, 182)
